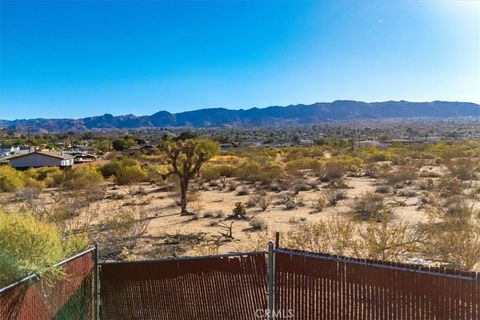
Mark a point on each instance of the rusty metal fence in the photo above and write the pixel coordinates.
(215, 287)
(274, 284)
(320, 286)
(69, 296)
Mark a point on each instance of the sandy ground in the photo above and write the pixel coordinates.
(167, 228)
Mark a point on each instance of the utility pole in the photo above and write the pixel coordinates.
(28, 138)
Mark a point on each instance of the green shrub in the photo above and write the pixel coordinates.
(154, 173)
(110, 169)
(28, 245)
(55, 178)
(211, 172)
(125, 171)
(370, 206)
(10, 179)
(42, 173)
(296, 166)
(82, 177)
(400, 175)
(130, 174)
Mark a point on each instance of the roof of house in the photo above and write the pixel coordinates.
(53, 154)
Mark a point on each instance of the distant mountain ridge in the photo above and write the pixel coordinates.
(256, 117)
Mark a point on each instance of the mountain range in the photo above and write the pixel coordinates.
(340, 110)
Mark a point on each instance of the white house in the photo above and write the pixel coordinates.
(6, 151)
(41, 159)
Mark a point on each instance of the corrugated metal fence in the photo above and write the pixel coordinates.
(319, 286)
(280, 284)
(69, 296)
(217, 287)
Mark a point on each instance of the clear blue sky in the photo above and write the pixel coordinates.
(75, 59)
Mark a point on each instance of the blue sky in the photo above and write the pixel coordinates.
(76, 59)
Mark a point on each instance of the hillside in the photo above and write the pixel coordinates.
(255, 117)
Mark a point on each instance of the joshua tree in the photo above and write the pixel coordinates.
(186, 158)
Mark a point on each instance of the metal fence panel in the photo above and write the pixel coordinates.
(225, 287)
(315, 286)
(69, 296)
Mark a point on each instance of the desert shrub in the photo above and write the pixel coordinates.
(209, 173)
(463, 168)
(197, 208)
(260, 199)
(402, 175)
(349, 162)
(239, 211)
(448, 186)
(124, 171)
(110, 169)
(407, 193)
(429, 174)
(275, 187)
(264, 201)
(426, 185)
(384, 189)
(333, 170)
(258, 223)
(454, 243)
(249, 170)
(333, 196)
(292, 202)
(383, 240)
(28, 246)
(55, 178)
(298, 166)
(82, 177)
(337, 184)
(121, 230)
(243, 192)
(377, 155)
(320, 203)
(214, 214)
(232, 186)
(301, 186)
(10, 179)
(265, 173)
(215, 171)
(375, 170)
(369, 206)
(452, 233)
(28, 193)
(154, 173)
(30, 182)
(251, 201)
(130, 174)
(42, 173)
(333, 236)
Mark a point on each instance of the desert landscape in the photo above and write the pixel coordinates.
(401, 202)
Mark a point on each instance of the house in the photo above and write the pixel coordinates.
(147, 149)
(81, 157)
(78, 148)
(8, 150)
(14, 150)
(41, 159)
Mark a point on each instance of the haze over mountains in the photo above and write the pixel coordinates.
(255, 117)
